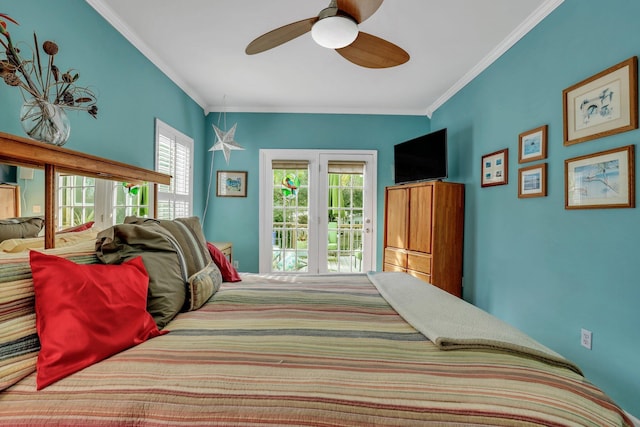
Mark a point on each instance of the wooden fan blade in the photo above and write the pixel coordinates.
(359, 9)
(373, 52)
(280, 35)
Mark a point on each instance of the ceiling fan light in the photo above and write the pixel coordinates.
(335, 32)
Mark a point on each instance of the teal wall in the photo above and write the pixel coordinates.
(131, 91)
(236, 219)
(544, 269)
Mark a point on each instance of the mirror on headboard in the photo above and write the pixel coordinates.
(19, 151)
(27, 185)
(9, 201)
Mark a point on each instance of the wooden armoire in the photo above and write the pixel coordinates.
(423, 232)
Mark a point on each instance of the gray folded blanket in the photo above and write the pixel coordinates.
(452, 323)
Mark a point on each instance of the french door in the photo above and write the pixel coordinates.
(317, 211)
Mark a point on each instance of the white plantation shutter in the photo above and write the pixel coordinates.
(182, 158)
(174, 156)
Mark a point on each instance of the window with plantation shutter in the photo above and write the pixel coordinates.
(174, 156)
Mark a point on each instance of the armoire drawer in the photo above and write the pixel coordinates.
(419, 275)
(391, 267)
(419, 262)
(396, 257)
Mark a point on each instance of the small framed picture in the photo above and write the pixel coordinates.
(602, 105)
(532, 181)
(600, 180)
(533, 145)
(231, 184)
(495, 168)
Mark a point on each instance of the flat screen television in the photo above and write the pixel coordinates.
(422, 158)
(8, 174)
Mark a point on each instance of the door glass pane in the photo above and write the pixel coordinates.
(344, 217)
(290, 228)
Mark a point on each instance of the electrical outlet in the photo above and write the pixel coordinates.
(585, 338)
(236, 264)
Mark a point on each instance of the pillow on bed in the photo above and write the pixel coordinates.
(229, 274)
(61, 240)
(19, 343)
(162, 258)
(20, 228)
(81, 227)
(86, 313)
(203, 285)
(188, 233)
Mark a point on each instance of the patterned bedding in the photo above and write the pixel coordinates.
(316, 351)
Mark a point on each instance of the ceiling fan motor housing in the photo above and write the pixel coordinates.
(334, 29)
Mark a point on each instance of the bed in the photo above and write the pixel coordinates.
(332, 350)
(319, 351)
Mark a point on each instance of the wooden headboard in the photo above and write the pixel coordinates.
(9, 201)
(19, 151)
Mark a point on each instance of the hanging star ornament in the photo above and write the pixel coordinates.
(225, 142)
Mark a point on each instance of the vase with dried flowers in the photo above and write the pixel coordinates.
(47, 92)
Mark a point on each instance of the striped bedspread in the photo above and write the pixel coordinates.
(315, 351)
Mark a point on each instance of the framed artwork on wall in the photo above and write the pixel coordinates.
(495, 168)
(600, 180)
(532, 181)
(532, 145)
(602, 105)
(231, 184)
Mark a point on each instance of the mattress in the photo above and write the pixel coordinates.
(313, 351)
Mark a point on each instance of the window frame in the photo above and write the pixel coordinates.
(104, 201)
(172, 196)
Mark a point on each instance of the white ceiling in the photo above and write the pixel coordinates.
(200, 45)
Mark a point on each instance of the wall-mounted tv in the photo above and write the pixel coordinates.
(422, 158)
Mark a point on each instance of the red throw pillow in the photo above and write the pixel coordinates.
(86, 313)
(81, 227)
(229, 274)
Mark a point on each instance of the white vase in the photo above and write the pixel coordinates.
(45, 122)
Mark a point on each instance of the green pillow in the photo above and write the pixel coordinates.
(20, 228)
(162, 259)
(189, 235)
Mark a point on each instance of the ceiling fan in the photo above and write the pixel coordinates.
(336, 27)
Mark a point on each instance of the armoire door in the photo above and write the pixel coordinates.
(396, 216)
(420, 218)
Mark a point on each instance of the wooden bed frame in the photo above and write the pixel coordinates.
(19, 151)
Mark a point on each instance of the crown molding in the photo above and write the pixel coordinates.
(534, 19)
(107, 13)
(316, 110)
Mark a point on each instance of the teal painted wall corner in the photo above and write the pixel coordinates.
(544, 269)
(236, 219)
(131, 91)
